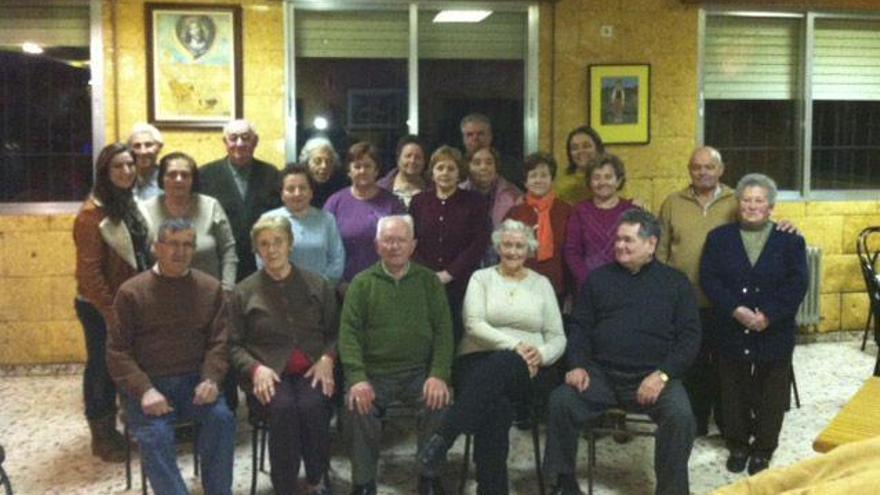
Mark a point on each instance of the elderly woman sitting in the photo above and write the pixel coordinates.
(755, 276)
(283, 339)
(513, 333)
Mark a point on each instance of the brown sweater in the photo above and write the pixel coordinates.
(167, 326)
(269, 319)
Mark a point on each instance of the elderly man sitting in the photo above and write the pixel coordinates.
(395, 344)
(635, 331)
(168, 353)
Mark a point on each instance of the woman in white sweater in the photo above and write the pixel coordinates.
(513, 334)
(215, 244)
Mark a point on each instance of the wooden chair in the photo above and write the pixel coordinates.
(615, 422)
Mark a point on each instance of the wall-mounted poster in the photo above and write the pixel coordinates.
(620, 102)
(193, 64)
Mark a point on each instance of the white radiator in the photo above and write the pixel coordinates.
(809, 313)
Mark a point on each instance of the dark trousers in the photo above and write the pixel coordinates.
(571, 410)
(755, 398)
(488, 384)
(299, 429)
(701, 380)
(99, 391)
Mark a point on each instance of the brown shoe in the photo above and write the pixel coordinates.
(107, 443)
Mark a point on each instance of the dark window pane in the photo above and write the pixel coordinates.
(45, 126)
(755, 136)
(846, 145)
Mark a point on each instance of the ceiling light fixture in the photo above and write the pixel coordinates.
(462, 15)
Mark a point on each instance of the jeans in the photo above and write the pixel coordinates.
(155, 435)
(99, 391)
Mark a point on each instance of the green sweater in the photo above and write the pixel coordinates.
(390, 326)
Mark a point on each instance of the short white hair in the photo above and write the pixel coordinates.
(383, 222)
(511, 226)
(228, 128)
(313, 145)
(145, 128)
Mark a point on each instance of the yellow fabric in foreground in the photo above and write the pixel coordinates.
(851, 469)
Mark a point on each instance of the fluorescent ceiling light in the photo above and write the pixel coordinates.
(31, 47)
(462, 15)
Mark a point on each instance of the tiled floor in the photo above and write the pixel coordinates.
(46, 439)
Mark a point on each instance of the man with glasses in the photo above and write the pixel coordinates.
(168, 354)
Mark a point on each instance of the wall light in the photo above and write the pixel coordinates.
(31, 47)
(462, 15)
(320, 123)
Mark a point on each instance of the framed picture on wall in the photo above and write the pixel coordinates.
(620, 102)
(193, 64)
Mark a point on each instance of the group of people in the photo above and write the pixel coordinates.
(329, 279)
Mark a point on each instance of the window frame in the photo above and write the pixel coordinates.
(530, 84)
(804, 97)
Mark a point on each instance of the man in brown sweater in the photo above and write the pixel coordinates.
(167, 353)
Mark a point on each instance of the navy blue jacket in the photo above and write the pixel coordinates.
(775, 285)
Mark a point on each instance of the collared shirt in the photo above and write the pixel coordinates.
(158, 271)
(715, 195)
(146, 188)
(388, 272)
(241, 175)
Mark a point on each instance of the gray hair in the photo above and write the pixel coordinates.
(227, 129)
(714, 154)
(145, 128)
(511, 226)
(758, 180)
(477, 118)
(648, 224)
(173, 226)
(383, 222)
(318, 143)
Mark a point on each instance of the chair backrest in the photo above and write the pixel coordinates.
(868, 248)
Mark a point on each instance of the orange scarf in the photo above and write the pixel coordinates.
(545, 228)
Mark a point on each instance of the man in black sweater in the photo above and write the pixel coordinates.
(633, 334)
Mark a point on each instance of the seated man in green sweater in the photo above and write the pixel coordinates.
(395, 344)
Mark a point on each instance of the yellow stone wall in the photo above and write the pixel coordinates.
(37, 322)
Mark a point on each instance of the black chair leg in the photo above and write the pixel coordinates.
(263, 450)
(127, 458)
(4, 481)
(867, 329)
(144, 490)
(591, 461)
(197, 429)
(254, 467)
(465, 464)
(794, 389)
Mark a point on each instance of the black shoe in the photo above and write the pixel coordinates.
(736, 461)
(433, 453)
(365, 489)
(758, 463)
(430, 486)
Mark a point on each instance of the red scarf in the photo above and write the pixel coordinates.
(545, 228)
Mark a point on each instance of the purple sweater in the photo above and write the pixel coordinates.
(357, 221)
(590, 238)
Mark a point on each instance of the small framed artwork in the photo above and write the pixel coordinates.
(193, 64)
(620, 102)
(376, 108)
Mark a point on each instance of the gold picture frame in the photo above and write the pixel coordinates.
(193, 64)
(620, 97)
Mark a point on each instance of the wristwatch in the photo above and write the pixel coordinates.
(663, 376)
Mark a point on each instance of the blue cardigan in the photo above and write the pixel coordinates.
(776, 285)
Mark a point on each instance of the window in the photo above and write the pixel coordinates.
(45, 102)
(796, 97)
(377, 71)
